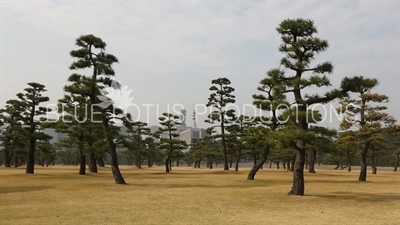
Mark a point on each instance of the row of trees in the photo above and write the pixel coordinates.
(288, 134)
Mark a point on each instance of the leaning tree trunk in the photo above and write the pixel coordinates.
(92, 163)
(374, 169)
(396, 164)
(259, 164)
(312, 159)
(119, 179)
(363, 163)
(238, 160)
(298, 173)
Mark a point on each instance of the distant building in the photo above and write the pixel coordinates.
(192, 133)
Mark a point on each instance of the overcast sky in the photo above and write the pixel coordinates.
(169, 51)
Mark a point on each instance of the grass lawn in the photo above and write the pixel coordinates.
(57, 195)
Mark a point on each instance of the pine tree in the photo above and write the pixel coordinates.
(135, 140)
(300, 45)
(170, 144)
(91, 55)
(365, 113)
(220, 98)
(31, 117)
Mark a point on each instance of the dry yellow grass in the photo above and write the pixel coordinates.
(57, 195)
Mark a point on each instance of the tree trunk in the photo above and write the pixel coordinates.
(374, 169)
(224, 151)
(254, 160)
(270, 164)
(341, 160)
(92, 163)
(311, 162)
(168, 164)
(298, 174)
(292, 164)
(31, 157)
(288, 165)
(348, 160)
(149, 162)
(211, 163)
(396, 164)
(363, 163)
(277, 165)
(119, 179)
(257, 167)
(7, 158)
(138, 162)
(100, 161)
(82, 165)
(284, 165)
(238, 160)
(230, 163)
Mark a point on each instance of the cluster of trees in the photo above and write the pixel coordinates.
(287, 134)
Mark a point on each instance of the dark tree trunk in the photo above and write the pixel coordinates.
(31, 157)
(16, 162)
(230, 163)
(82, 165)
(224, 150)
(312, 158)
(284, 165)
(396, 164)
(7, 158)
(92, 163)
(149, 162)
(363, 163)
(254, 160)
(348, 160)
(82, 158)
(292, 163)
(288, 165)
(177, 163)
(100, 161)
(277, 165)
(306, 161)
(257, 167)
(341, 160)
(168, 164)
(211, 163)
(374, 169)
(119, 179)
(298, 174)
(138, 162)
(238, 160)
(270, 164)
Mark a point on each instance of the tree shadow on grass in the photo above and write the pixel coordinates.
(18, 189)
(362, 197)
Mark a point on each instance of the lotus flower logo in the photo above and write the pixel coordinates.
(116, 96)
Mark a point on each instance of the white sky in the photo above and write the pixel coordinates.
(169, 51)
